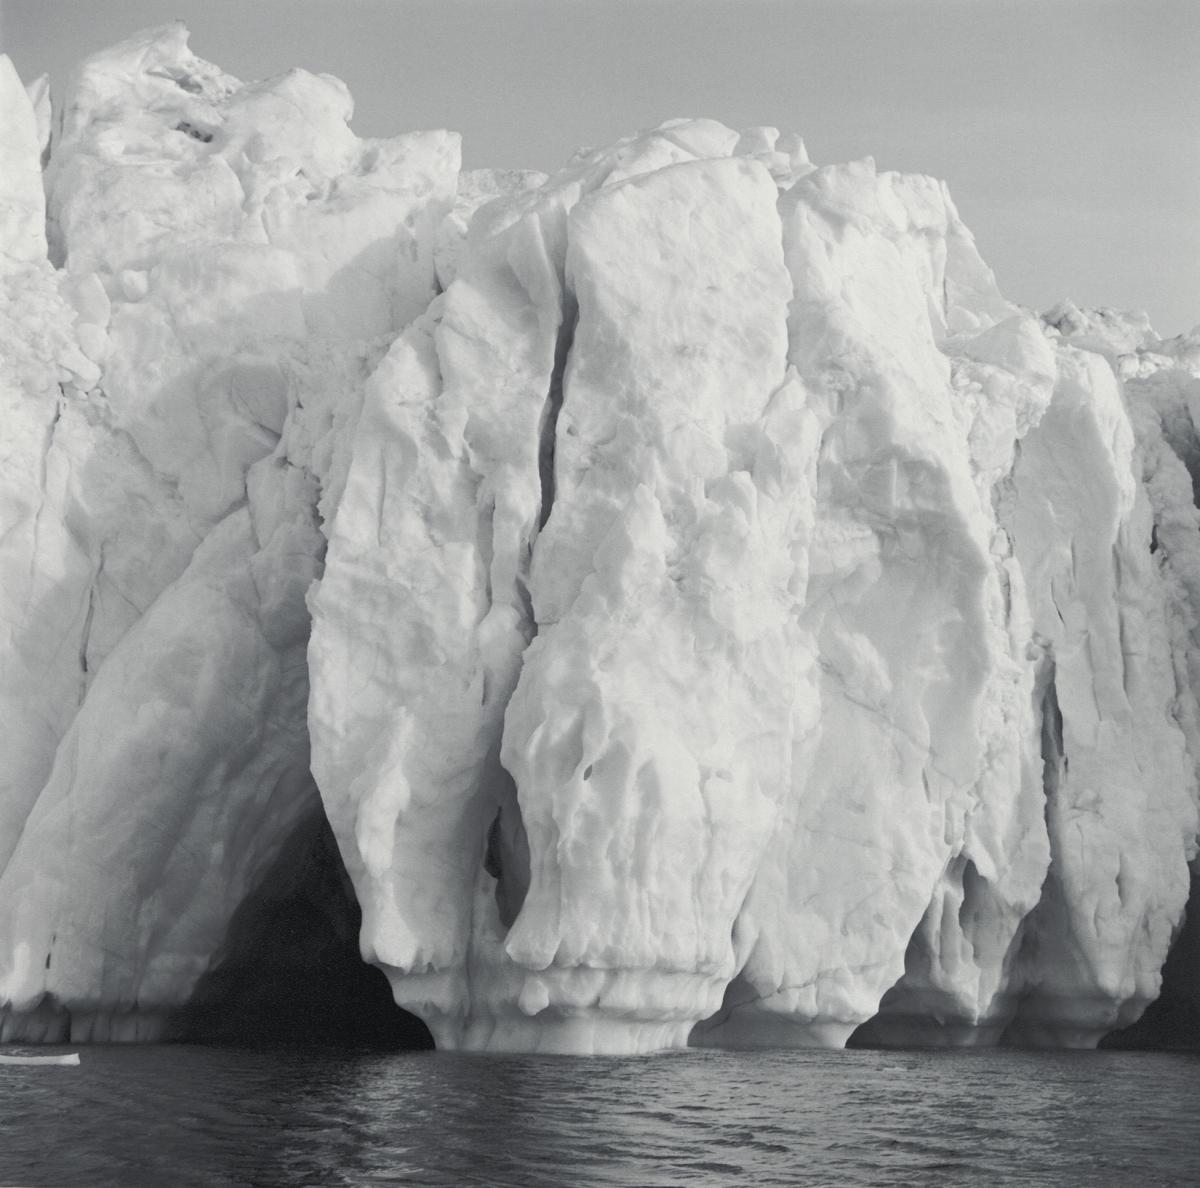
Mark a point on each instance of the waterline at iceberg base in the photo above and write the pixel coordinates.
(702, 608)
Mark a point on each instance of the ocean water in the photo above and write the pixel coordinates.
(178, 1115)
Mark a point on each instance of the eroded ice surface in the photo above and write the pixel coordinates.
(835, 559)
(731, 618)
(234, 262)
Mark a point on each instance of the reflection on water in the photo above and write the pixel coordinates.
(188, 1115)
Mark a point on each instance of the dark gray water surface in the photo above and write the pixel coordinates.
(174, 1115)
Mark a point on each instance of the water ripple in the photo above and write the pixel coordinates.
(185, 1115)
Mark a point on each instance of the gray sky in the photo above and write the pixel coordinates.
(1069, 130)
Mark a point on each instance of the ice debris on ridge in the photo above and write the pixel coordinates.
(739, 622)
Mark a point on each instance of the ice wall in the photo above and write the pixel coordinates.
(234, 260)
(847, 688)
(732, 621)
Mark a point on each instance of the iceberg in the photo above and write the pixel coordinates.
(233, 261)
(703, 607)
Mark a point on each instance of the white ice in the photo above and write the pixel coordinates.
(711, 612)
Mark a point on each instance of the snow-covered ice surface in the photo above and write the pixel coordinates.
(710, 611)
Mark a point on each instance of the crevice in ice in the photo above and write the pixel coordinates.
(290, 970)
(1123, 633)
(974, 900)
(1173, 407)
(44, 472)
(1054, 761)
(195, 131)
(51, 430)
(1043, 926)
(491, 854)
(526, 598)
(506, 853)
(554, 398)
(1122, 881)
(86, 634)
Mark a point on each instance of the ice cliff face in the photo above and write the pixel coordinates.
(234, 261)
(732, 621)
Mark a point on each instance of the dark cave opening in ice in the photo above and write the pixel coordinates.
(1172, 1020)
(291, 972)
